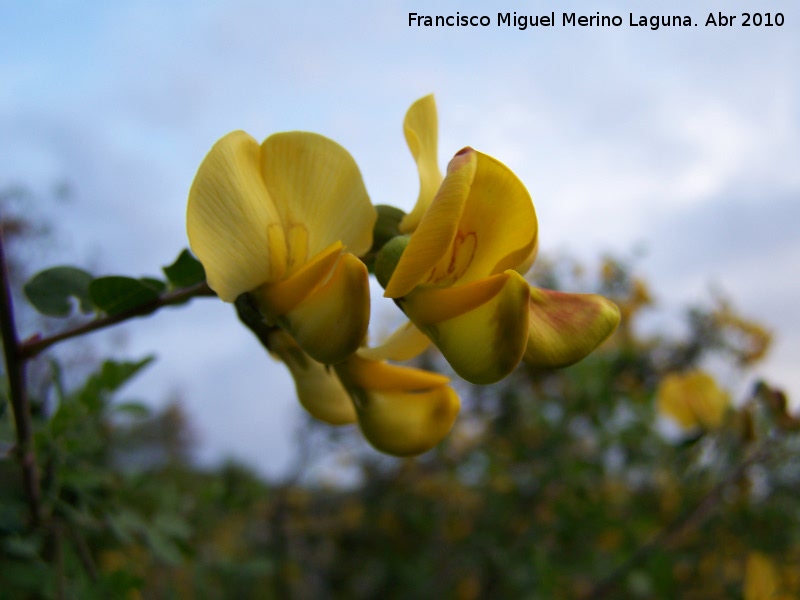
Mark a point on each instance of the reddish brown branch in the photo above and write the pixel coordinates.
(35, 345)
(17, 353)
(18, 393)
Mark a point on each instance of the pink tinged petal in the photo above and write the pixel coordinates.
(484, 329)
(564, 328)
(232, 223)
(318, 388)
(331, 323)
(317, 186)
(405, 343)
(433, 239)
(421, 129)
(407, 423)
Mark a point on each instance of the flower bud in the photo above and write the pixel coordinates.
(388, 257)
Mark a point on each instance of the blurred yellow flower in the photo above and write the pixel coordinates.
(400, 410)
(692, 399)
(473, 234)
(746, 338)
(762, 580)
(285, 221)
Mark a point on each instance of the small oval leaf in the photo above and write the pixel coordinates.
(185, 271)
(116, 294)
(159, 286)
(51, 291)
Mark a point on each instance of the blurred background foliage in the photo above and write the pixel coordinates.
(556, 484)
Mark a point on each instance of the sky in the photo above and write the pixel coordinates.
(680, 146)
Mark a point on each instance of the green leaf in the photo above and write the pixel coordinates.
(134, 409)
(117, 294)
(21, 547)
(125, 525)
(27, 579)
(84, 480)
(57, 376)
(163, 549)
(172, 526)
(185, 271)
(12, 519)
(51, 291)
(114, 374)
(111, 376)
(67, 417)
(119, 583)
(157, 284)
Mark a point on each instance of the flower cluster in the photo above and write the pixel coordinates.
(287, 222)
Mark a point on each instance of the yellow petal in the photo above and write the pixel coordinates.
(485, 343)
(564, 328)
(317, 186)
(421, 128)
(404, 344)
(692, 399)
(277, 299)
(709, 401)
(481, 222)
(433, 238)
(379, 376)
(431, 305)
(318, 388)
(233, 225)
(527, 263)
(672, 402)
(499, 213)
(331, 323)
(761, 580)
(407, 423)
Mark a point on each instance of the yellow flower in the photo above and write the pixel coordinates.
(285, 222)
(762, 580)
(692, 399)
(421, 129)
(401, 411)
(474, 234)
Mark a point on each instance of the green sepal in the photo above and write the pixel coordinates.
(387, 226)
(388, 257)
